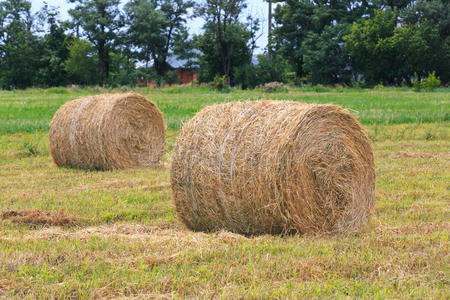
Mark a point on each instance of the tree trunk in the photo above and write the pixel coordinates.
(107, 65)
(269, 48)
(299, 71)
(101, 64)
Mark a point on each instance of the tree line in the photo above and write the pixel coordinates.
(315, 41)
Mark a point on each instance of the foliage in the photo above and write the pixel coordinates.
(384, 52)
(269, 71)
(17, 45)
(378, 87)
(294, 21)
(435, 11)
(358, 82)
(100, 21)
(362, 44)
(171, 77)
(431, 82)
(324, 42)
(416, 83)
(245, 76)
(323, 56)
(219, 83)
(80, 64)
(321, 88)
(52, 50)
(226, 42)
(298, 19)
(154, 27)
(122, 70)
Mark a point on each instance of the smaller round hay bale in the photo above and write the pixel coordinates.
(108, 131)
(273, 167)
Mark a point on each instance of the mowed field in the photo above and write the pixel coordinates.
(70, 233)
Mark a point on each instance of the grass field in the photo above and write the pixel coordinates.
(114, 234)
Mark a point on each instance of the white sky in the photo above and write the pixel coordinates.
(255, 7)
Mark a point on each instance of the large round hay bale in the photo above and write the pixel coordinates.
(273, 167)
(106, 132)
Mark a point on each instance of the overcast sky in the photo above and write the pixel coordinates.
(255, 7)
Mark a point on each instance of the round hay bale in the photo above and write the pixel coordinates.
(273, 167)
(108, 131)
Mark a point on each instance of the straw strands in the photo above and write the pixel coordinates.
(273, 167)
(108, 131)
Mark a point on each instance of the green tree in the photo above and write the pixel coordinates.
(80, 65)
(296, 19)
(52, 50)
(269, 71)
(245, 76)
(226, 42)
(324, 58)
(369, 57)
(100, 21)
(18, 59)
(175, 12)
(154, 28)
(436, 11)
(426, 13)
(391, 54)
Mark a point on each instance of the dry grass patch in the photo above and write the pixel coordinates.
(403, 154)
(39, 218)
(420, 228)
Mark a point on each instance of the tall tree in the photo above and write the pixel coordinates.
(387, 53)
(175, 12)
(154, 27)
(53, 49)
(325, 61)
(100, 21)
(296, 19)
(80, 64)
(226, 42)
(17, 44)
(426, 12)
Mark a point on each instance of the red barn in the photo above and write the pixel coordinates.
(186, 70)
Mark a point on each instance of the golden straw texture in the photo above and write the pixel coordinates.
(108, 131)
(273, 167)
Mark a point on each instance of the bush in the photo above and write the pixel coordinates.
(171, 78)
(56, 90)
(245, 76)
(358, 83)
(431, 82)
(219, 83)
(416, 83)
(274, 86)
(379, 87)
(270, 71)
(322, 89)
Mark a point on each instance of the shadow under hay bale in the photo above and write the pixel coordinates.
(273, 167)
(106, 132)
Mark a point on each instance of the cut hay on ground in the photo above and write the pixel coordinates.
(109, 131)
(273, 167)
(39, 217)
